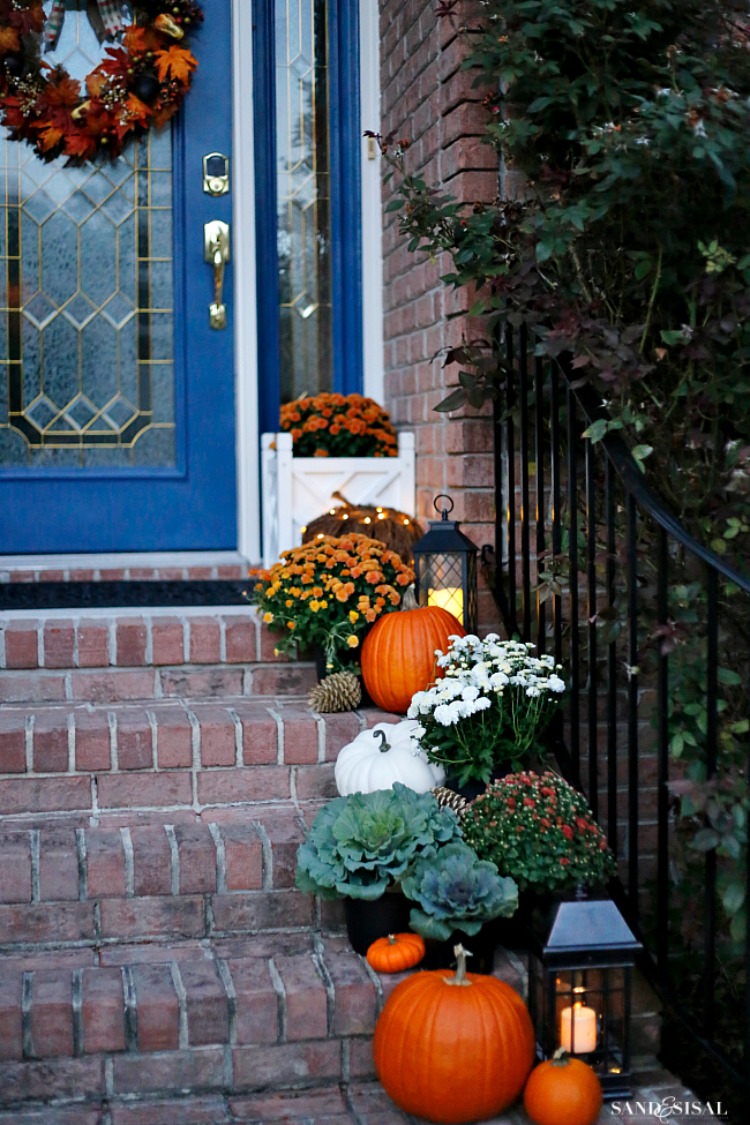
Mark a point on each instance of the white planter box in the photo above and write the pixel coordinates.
(294, 490)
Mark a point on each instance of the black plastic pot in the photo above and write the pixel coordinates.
(440, 955)
(368, 921)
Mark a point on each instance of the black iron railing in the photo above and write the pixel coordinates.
(654, 630)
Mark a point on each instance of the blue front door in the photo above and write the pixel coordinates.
(117, 395)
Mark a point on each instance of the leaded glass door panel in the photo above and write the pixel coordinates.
(116, 394)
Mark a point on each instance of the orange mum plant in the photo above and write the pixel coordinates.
(334, 425)
(328, 592)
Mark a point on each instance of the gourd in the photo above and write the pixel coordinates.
(377, 758)
(398, 654)
(396, 952)
(453, 1048)
(563, 1091)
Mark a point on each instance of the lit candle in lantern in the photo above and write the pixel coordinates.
(578, 1029)
(450, 598)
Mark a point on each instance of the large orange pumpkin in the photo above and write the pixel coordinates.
(453, 1048)
(398, 654)
(563, 1091)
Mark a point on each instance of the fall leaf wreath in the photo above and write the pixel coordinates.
(141, 83)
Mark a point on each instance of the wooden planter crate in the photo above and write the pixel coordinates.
(294, 490)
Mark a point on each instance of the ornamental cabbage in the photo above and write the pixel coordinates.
(360, 845)
(456, 890)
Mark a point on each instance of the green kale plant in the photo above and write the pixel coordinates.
(360, 845)
(455, 890)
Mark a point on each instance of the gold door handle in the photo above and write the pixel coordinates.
(216, 251)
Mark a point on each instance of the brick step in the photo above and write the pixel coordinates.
(90, 641)
(168, 754)
(226, 1016)
(138, 566)
(155, 878)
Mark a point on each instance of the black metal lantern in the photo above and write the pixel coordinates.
(445, 561)
(581, 958)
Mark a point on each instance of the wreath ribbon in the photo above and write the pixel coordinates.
(109, 10)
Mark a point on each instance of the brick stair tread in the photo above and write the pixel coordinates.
(262, 1013)
(57, 759)
(106, 656)
(358, 1102)
(135, 638)
(156, 877)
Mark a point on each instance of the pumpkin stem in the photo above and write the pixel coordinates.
(409, 598)
(560, 1057)
(460, 977)
(384, 744)
(392, 939)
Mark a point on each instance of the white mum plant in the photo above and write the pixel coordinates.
(488, 710)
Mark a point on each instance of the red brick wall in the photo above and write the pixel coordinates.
(429, 100)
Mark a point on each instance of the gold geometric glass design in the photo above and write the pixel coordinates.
(303, 192)
(86, 299)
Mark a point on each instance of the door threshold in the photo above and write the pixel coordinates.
(147, 579)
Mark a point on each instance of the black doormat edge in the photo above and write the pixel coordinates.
(127, 594)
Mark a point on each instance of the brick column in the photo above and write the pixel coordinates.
(429, 100)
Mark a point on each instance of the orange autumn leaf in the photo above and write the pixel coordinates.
(134, 39)
(50, 137)
(95, 83)
(176, 63)
(80, 144)
(9, 40)
(137, 110)
(65, 92)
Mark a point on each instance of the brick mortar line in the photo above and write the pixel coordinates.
(185, 623)
(225, 976)
(82, 860)
(28, 742)
(266, 849)
(280, 744)
(221, 857)
(35, 849)
(148, 655)
(76, 1002)
(278, 987)
(111, 643)
(174, 859)
(318, 961)
(27, 999)
(154, 739)
(179, 987)
(239, 750)
(130, 1005)
(71, 743)
(113, 747)
(129, 858)
(195, 747)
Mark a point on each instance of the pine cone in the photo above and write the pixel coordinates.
(341, 691)
(449, 799)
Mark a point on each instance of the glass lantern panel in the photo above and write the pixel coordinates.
(441, 582)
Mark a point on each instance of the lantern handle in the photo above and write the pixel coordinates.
(444, 512)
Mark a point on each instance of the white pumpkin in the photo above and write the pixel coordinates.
(387, 753)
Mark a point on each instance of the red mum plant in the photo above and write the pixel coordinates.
(540, 831)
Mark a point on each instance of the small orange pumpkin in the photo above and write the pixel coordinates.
(395, 953)
(453, 1047)
(398, 654)
(563, 1091)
